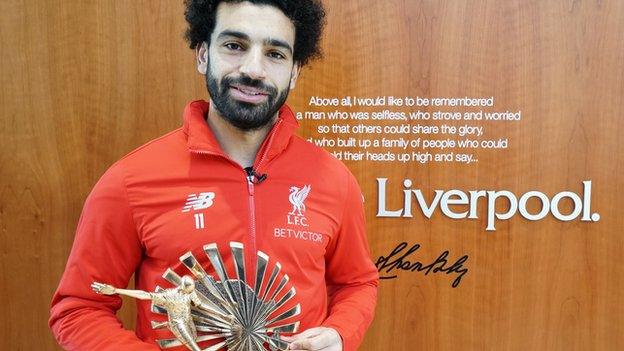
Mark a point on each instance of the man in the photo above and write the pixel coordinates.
(235, 171)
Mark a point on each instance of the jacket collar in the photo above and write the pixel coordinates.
(201, 139)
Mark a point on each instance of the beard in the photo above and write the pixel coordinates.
(244, 115)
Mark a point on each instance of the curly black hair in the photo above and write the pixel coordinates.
(308, 17)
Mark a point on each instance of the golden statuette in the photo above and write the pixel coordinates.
(229, 311)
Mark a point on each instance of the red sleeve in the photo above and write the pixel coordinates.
(106, 249)
(351, 276)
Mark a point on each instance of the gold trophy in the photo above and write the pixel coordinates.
(203, 308)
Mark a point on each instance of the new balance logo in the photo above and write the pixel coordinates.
(198, 202)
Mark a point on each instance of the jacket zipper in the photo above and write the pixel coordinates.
(251, 254)
(249, 262)
(252, 228)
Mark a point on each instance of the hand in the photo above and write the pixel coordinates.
(320, 338)
(104, 289)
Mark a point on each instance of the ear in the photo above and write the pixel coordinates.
(201, 55)
(294, 74)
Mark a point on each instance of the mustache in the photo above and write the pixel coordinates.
(248, 81)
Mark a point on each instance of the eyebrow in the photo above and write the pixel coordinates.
(278, 43)
(243, 36)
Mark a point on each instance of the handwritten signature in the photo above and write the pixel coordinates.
(397, 259)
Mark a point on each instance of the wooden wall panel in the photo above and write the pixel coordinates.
(84, 82)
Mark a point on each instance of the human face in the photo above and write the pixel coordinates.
(249, 64)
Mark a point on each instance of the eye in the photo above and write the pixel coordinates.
(233, 46)
(276, 55)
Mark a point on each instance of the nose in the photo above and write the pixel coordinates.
(253, 65)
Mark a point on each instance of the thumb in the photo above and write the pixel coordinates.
(303, 344)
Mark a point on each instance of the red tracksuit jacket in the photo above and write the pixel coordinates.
(140, 218)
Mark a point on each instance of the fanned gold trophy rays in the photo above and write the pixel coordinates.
(228, 310)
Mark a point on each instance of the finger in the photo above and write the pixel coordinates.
(303, 344)
(335, 345)
(308, 333)
(320, 341)
(315, 343)
(331, 348)
(289, 338)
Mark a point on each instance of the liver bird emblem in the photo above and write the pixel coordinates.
(297, 197)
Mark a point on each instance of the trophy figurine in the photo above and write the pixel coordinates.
(202, 309)
(177, 302)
